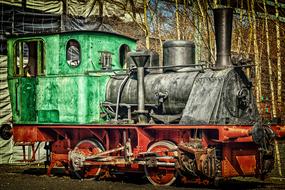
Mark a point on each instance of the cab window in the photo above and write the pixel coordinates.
(124, 49)
(73, 53)
(29, 58)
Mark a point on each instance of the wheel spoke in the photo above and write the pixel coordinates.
(161, 176)
(86, 147)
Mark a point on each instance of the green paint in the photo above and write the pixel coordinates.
(60, 93)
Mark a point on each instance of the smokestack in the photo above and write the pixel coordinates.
(223, 18)
(140, 59)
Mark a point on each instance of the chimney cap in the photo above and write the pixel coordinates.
(140, 58)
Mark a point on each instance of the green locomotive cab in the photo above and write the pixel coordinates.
(61, 78)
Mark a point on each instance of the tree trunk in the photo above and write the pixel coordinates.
(207, 20)
(240, 29)
(177, 20)
(158, 26)
(256, 57)
(273, 102)
(279, 67)
(204, 27)
(215, 3)
(250, 37)
(147, 35)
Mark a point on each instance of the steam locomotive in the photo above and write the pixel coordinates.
(104, 108)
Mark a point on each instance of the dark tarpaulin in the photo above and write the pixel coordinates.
(81, 23)
(16, 20)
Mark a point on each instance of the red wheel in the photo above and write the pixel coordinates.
(86, 147)
(161, 176)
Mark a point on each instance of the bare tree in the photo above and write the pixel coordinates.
(177, 19)
(273, 101)
(256, 56)
(146, 25)
(279, 67)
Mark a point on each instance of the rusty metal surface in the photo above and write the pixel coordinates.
(236, 160)
(279, 130)
(38, 133)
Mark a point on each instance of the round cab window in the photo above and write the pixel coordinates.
(73, 53)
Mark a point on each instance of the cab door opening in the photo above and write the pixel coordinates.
(28, 65)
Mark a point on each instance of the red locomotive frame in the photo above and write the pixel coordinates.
(132, 148)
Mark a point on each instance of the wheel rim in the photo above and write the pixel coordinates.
(87, 147)
(157, 175)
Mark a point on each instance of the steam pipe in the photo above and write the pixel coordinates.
(223, 18)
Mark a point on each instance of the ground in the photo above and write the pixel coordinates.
(32, 177)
